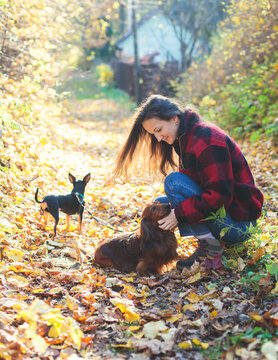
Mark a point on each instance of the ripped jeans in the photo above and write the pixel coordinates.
(178, 187)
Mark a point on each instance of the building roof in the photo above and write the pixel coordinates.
(139, 23)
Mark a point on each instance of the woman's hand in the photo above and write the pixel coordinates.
(169, 222)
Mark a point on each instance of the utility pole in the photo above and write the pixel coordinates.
(136, 59)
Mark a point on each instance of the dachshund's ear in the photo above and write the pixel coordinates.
(147, 232)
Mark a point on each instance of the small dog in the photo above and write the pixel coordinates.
(68, 204)
(146, 251)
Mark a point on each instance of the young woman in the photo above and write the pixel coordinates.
(213, 174)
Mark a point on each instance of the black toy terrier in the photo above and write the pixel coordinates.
(68, 204)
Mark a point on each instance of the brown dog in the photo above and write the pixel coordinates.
(146, 251)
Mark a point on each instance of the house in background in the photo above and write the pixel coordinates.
(156, 40)
(158, 52)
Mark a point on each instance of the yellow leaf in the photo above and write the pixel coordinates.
(38, 342)
(78, 288)
(18, 281)
(38, 291)
(14, 254)
(194, 278)
(55, 330)
(128, 279)
(134, 328)
(193, 298)
(275, 290)
(6, 230)
(127, 345)
(71, 304)
(213, 314)
(116, 5)
(256, 256)
(127, 312)
(75, 333)
(130, 315)
(43, 141)
(199, 343)
(186, 345)
(175, 318)
(256, 317)
(187, 307)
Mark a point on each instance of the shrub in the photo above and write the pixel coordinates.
(248, 105)
(236, 84)
(105, 75)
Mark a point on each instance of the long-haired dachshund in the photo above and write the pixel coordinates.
(145, 251)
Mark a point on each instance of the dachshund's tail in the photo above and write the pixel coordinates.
(36, 196)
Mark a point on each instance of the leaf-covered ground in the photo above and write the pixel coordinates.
(55, 304)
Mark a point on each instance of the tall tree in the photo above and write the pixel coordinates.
(34, 34)
(193, 23)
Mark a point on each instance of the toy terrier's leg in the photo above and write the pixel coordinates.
(68, 222)
(56, 218)
(80, 223)
(45, 215)
(80, 217)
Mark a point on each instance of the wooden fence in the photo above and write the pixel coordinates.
(154, 78)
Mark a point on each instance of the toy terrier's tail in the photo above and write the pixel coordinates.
(36, 196)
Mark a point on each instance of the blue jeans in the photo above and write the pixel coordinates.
(178, 187)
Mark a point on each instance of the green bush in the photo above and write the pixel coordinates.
(105, 75)
(248, 105)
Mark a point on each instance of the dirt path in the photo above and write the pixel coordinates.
(55, 304)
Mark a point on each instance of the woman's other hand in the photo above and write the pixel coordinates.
(169, 222)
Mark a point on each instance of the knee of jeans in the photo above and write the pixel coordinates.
(162, 199)
(171, 180)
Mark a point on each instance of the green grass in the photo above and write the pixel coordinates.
(81, 88)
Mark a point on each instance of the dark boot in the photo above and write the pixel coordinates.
(206, 248)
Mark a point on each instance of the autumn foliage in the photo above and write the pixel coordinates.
(236, 85)
(55, 303)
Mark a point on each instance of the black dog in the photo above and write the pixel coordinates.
(68, 204)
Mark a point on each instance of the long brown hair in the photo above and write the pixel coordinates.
(160, 152)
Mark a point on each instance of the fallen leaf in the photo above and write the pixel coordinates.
(154, 328)
(18, 281)
(199, 343)
(270, 350)
(213, 314)
(193, 298)
(215, 263)
(129, 314)
(256, 256)
(194, 278)
(186, 345)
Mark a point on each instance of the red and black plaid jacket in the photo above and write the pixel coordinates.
(214, 161)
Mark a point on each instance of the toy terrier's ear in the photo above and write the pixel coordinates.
(72, 178)
(87, 178)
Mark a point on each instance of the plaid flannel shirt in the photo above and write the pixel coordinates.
(214, 161)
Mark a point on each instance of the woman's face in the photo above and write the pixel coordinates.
(163, 130)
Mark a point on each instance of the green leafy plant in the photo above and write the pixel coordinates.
(105, 75)
(272, 268)
(257, 332)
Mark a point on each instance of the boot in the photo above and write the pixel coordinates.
(207, 247)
